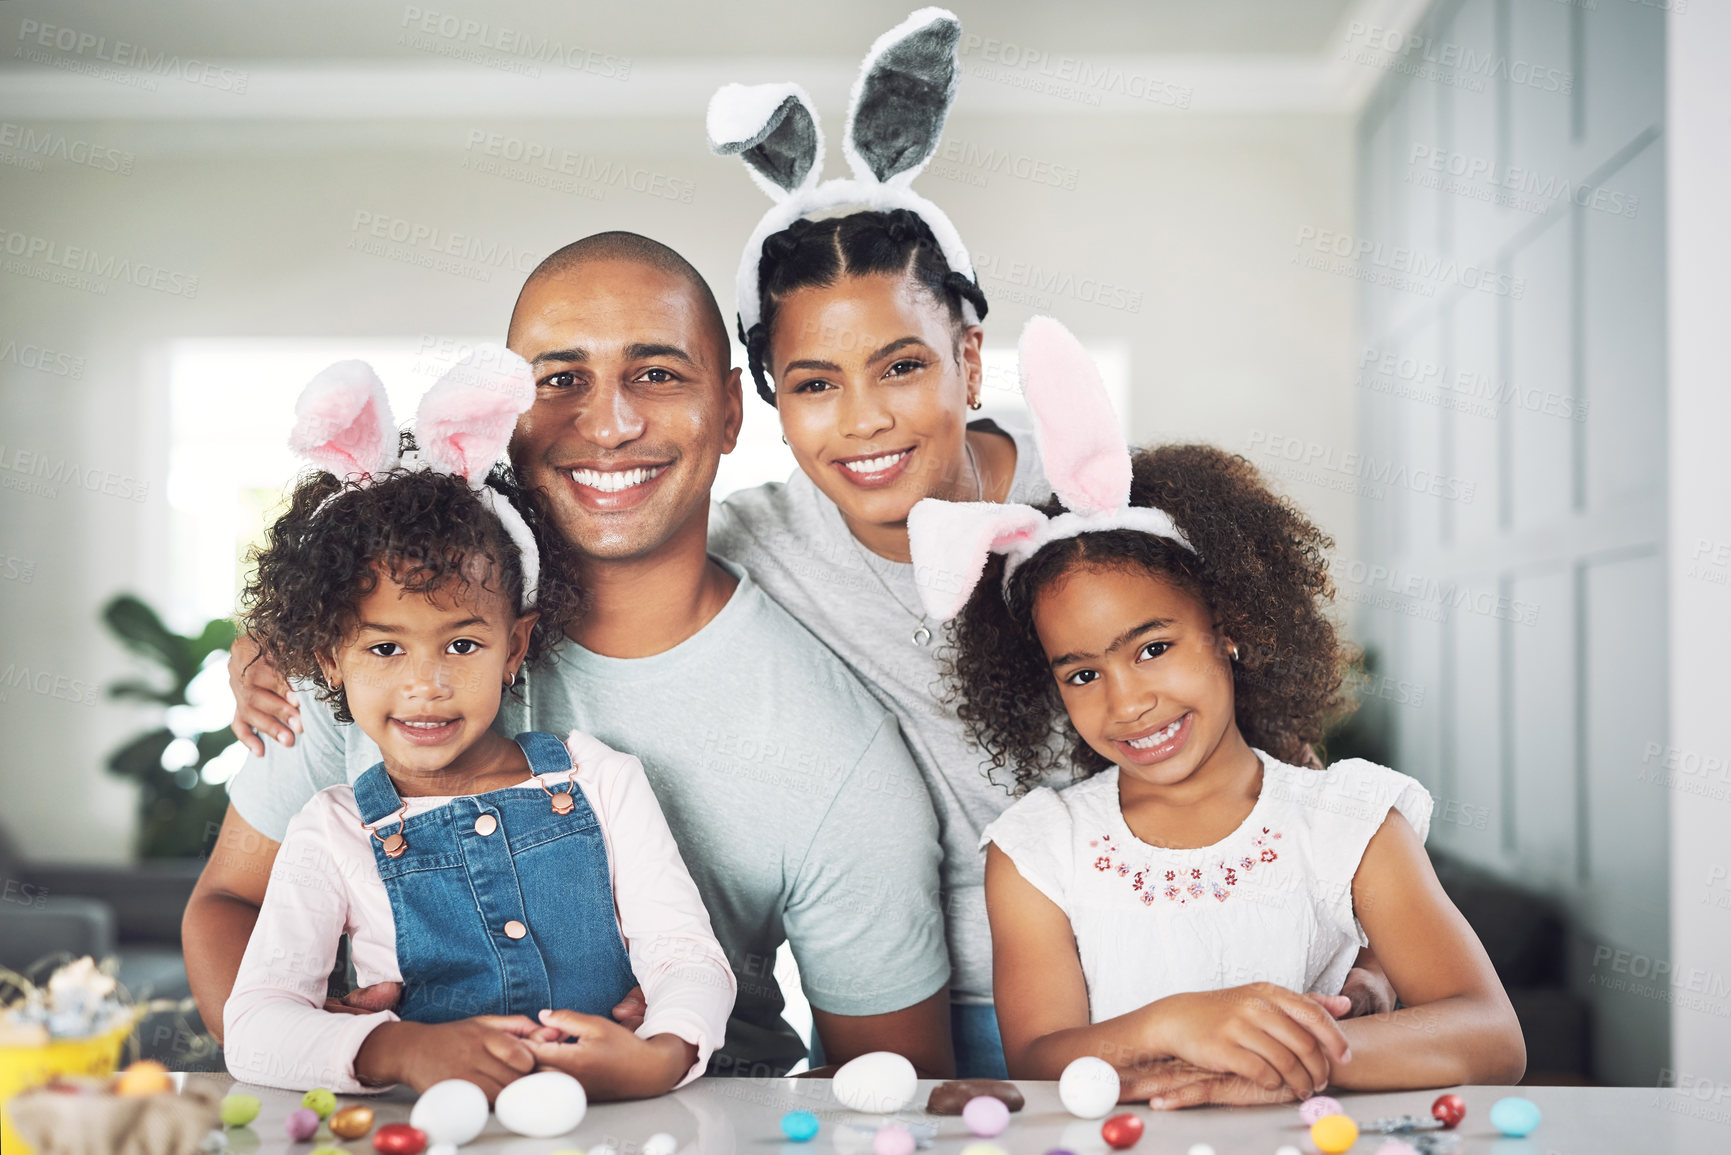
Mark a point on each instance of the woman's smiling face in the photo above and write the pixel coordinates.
(873, 385)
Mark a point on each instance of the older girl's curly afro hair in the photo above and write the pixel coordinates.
(1260, 566)
(426, 529)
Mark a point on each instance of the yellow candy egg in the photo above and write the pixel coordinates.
(351, 1122)
(145, 1077)
(1333, 1134)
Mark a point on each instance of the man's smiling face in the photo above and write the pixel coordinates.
(635, 402)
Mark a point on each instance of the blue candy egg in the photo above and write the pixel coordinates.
(1515, 1117)
(802, 1126)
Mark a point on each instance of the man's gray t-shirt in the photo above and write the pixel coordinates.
(793, 540)
(788, 788)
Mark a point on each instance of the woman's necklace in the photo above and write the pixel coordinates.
(922, 632)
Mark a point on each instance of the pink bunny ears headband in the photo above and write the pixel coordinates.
(1085, 457)
(343, 425)
(894, 118)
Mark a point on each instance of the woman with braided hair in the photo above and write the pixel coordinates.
(861, 317)
(868, 349)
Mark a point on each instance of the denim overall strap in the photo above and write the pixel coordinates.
(548, 755)
(376, 797)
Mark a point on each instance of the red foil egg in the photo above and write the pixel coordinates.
(1121, 1131)
(399, 1139)
(1449, 1110)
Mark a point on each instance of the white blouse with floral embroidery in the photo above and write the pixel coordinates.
(1270, 902)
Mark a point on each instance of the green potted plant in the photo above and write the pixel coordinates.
(177, 805)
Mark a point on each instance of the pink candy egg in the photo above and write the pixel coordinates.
(986, 1116)
(301, 1124)
(1318, 1106)
(893, 1140)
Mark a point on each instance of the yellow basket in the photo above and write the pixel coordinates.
(22, 1068)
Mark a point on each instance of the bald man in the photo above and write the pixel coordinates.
(795, 803)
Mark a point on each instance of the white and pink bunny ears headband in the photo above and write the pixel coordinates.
(343, 425)
(894, 118)
(1085, 456)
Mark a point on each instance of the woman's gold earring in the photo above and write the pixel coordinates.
(1234, 651)
(976, 404)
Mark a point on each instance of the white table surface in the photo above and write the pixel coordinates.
(727, 1116)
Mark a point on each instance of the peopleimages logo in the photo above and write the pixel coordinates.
(512, 46)
(42, 475)
(1069, 77)
(33, 144)
(1362, 256)
(1515, 186)
(33, 36)
(106, 267)
(989, 161)
(43, 360)
(1452, 59)
(1031, 284)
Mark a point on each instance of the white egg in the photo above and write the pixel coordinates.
(541, 1105)
(879, 1083)
(660, 1143)
(453, 1111)
(1088, 1088)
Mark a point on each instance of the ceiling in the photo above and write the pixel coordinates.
(390, 60)
(370, 29)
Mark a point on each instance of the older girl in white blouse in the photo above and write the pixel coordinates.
(1165, 620)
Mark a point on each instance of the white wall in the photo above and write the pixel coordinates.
(1698, 91)
(1193, 217)
(1525, 604)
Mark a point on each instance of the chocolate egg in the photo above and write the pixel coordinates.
(351, 1122)
(541, 1105)
(948, 1098)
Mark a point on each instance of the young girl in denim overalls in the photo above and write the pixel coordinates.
(516, 890)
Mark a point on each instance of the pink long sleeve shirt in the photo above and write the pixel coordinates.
(324, 884)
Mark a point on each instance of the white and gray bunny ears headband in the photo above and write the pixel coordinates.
(343, 425)
(1086, 459)
(894, 118)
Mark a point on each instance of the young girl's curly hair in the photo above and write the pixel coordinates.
(1260, 566)
(426, 529)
